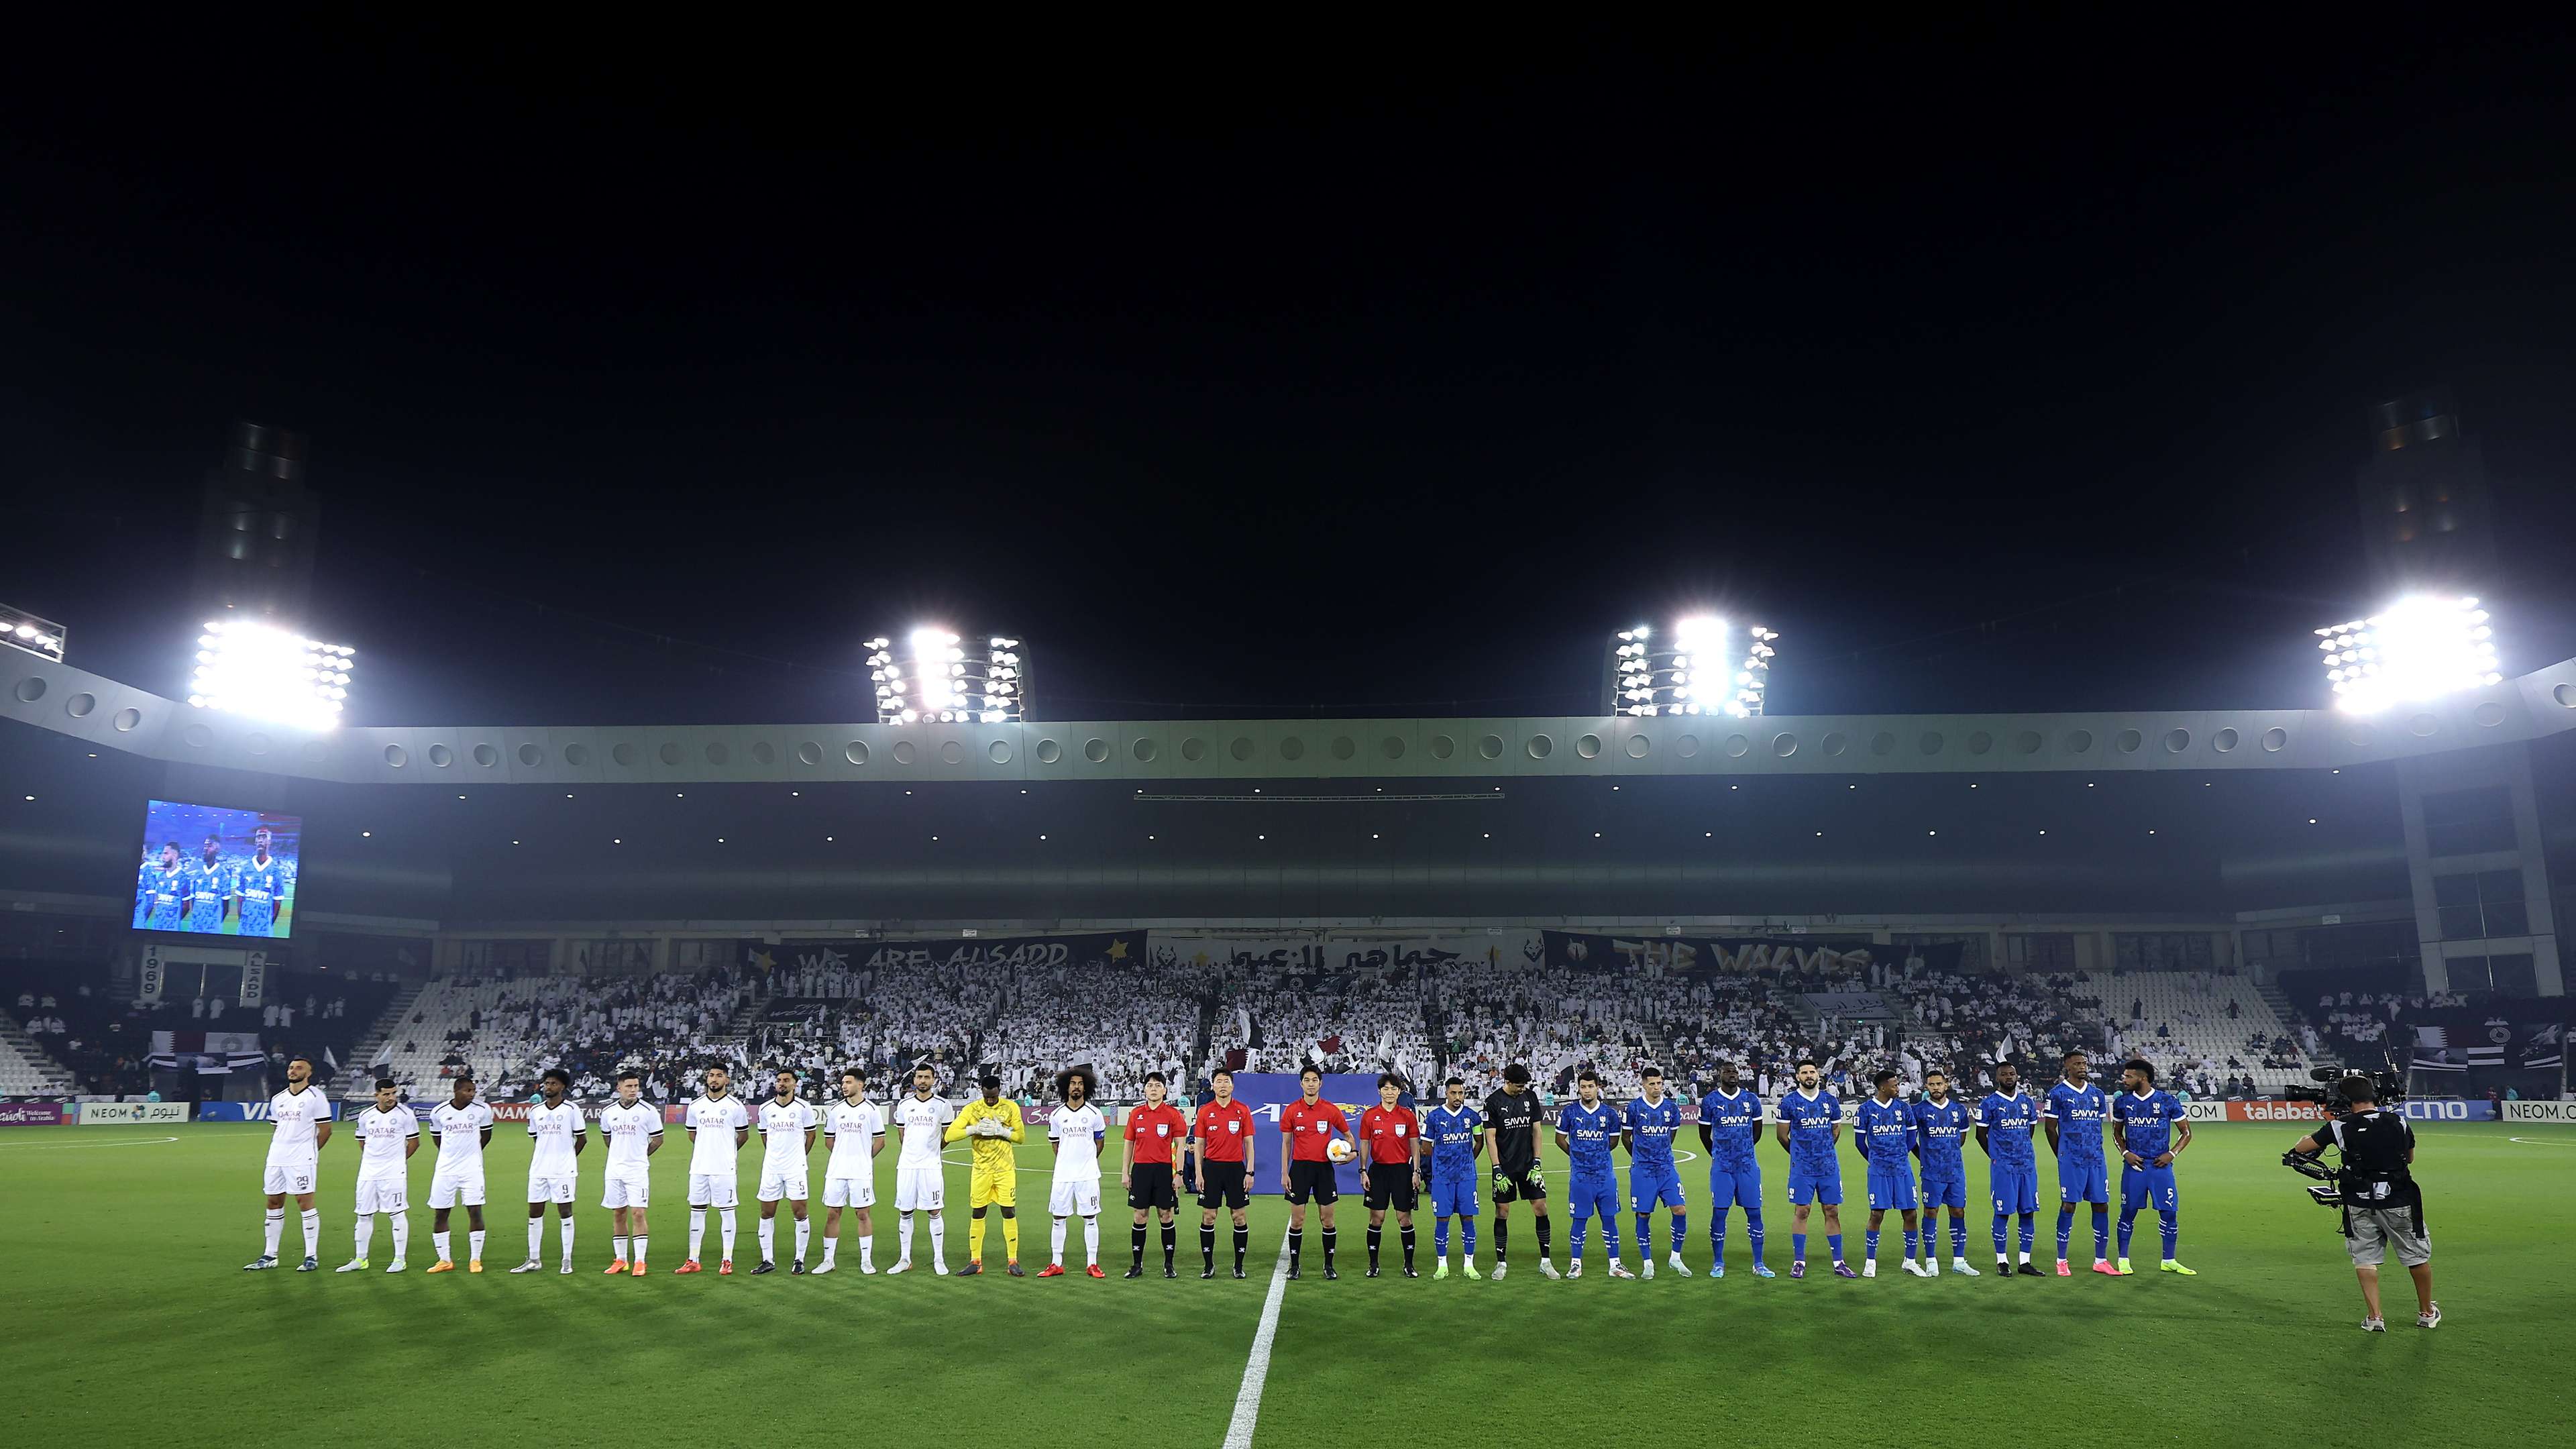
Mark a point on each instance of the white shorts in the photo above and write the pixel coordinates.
(626, 1190)
(550, 1189)
(296, 1179)
(381, 1195)
(857, 1192)
(711, 1189)
(789, 1185)
(921, 1188)
(455, 1189)
(1075, 1199)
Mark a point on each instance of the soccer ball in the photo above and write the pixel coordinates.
(1339, 1150)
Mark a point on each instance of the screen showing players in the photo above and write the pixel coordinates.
(216, 872)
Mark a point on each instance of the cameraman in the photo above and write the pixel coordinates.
(2382, 1206)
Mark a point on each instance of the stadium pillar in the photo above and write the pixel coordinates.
(2472, 824)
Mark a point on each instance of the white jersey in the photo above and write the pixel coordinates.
(630, 1132)
(922, 1123)
(715, 1120)
(1077, 1152)
(782, 1133)
(459, 1131)
(384, 1135)
(854, 1131)
(296, 1115)
(554, 1129)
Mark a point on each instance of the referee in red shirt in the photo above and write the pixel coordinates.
(1155, 1133)
(1310, 1124)
(1222, 1140)
(1393, 1136)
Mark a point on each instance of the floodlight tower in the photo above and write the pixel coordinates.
(934, 675)
(1700, 665)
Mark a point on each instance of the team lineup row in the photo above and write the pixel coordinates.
(1913, 1153)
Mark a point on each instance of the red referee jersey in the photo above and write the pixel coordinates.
(1223, 1128)
(1390, 1133)
(1154, 1133)
(1308, 1129)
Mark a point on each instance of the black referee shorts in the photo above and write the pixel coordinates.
(1390, 1185)
(1149, 1185)
(1312, 1180)
(1221, 1185)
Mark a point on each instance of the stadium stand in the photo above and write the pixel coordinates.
(2204, 1027)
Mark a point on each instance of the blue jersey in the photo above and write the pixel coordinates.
(2009, 1121)
(1886, 1132)
(262, 889)
(2079, 1113)
(1735, 1127)
(1590, 1134)
(2147, 1121)
(1651, 1126)
(1453, 1139)
(1811, 1127)
(159, 893)
(1940, 1130)
(207, 887)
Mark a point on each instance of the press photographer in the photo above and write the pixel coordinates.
(2373, 1185)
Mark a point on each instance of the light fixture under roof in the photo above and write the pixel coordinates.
(2419, 648)
(1702, 665)
(932, 676)
(265, 672)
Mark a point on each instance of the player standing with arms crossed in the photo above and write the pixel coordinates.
(1811, 1127)
(463, 1127)
(1940, 1138)
(1306, 1170)
(388, 1134)
(1223, 1140)
(1883, 1133)
(1453, 1135)
(1511, 1120)
(787, 1124)
(2075, 1113)
(1074, 1134)
(1652, 1121)
(856, 1131)
(560, 1133)
(718, 1125)
(300, 1123)
(1392, 1138)
(2005, 1121)
(633, 1128)
(1730, 1128)
(992, 1123)
(2151, 1129)
(1585, 1132)
(919, 1183)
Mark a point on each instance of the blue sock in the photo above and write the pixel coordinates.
(2128, 1225)
(1610, 1235)
(1913, 1245)
(1645, 1236)
(2029, 1229)
(1869, 1245)
(1681, 1230)
(1753, 1227)
(1959, 1237)
(1717, 1242)
(1834, 1242)
(1797, 1247)
(1440, 1238)
(1467, 1227)
(2170, 1224)
(2065, 1229)
(2101, 1228)
(2001, 1219)
(1574, 1240)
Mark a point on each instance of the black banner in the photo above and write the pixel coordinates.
(1792, 956)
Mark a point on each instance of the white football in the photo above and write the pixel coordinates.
(1339, 1150)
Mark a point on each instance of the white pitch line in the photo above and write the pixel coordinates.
(2544, 1141)
(1256, 1368)
(73, 1146)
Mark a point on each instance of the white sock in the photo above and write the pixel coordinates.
(474, 1242)
(563, 1227)
(312, 1232)
(1091, 1241)
(831, 1249)
(903, 1238)
(697, 1231)
(768, 1239)
(804, 1231)
(536, 1237)
(617, 1245)
(639, 1247)
(274, 1228)
(725, 1228)
(1055, 1241)
(2025, 1257)
(402, 1236)
(438, 1240)
(938, 1238)
(867, 1250)
(366, 1234)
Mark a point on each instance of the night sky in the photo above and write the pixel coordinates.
(644, 380)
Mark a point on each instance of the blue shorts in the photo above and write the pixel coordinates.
(1735, 1189)
(1816, 1182)
(1648, 1186)
(1891, 1187)
(1950, 1191)
(2148, 1187)
(2016, 1189)
(1594, 1192)
(1453, 1195)
(2083, 1181)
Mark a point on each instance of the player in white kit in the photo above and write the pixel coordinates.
(388, 1134)
(554, 1165)
(919, 1184)
(1074, 1134)
(718, 1126)
(633, 1128)
(856, 1131)
(301, 1119)
(787, 1141)
(463, 1126)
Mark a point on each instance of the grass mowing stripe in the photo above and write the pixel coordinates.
(1256, 1366)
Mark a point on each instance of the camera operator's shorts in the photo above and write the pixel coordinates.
(2375, 1231)
(2148, 1187)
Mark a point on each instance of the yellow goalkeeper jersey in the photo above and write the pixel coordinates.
(990, 1152)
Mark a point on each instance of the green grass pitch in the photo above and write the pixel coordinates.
(129, 1319)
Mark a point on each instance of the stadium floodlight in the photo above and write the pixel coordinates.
(270, 673)
(39, 636)
(933, 677)
(1702, 665)
(2418, 648)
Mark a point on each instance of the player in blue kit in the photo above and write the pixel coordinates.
(1652, 1121)
(1453, 1133)
(1940, 1132)
(2152, 1130)
(261, 882)
(1730, 1128)
(161, 892)
(1586, 1132)
(1811, 1125)
(2076, 1112)
(2005, 1121)
(210, 888)
(1883, 1134)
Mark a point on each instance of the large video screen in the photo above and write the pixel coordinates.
(216, 872)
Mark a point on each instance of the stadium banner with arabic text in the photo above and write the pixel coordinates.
(128, 1114)
(31, 1114)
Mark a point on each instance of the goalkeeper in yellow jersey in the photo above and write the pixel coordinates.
(992, 1123)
